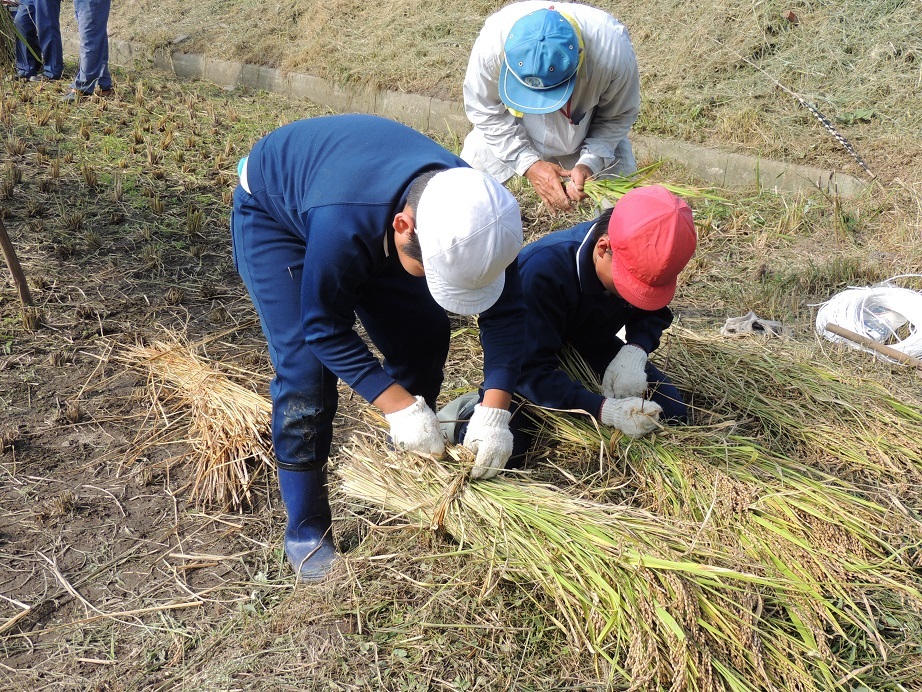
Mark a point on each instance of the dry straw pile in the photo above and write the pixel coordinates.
(816, 546)
(623, 582)
(222, 418)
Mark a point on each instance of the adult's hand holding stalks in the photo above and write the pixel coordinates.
(545, 178)
(626, 375)
(632, 416)
(489, 436)
(578, 177)
(416, 429)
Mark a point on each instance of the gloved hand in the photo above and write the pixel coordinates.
(489, 436)
(416, 429)
(632, 416)
(626, 375)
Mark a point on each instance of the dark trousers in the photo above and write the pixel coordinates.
(397, 311)
(40, 49)
(92, 25)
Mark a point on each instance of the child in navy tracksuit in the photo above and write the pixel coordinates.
(356, 215)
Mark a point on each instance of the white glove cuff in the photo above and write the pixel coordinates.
(610, 409)
(484, 416)
(406, 413)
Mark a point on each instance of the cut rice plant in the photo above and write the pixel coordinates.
(856, 558)
(224, 421)
(845, 549)
(666, 610)
(852, 427)
(606, 191)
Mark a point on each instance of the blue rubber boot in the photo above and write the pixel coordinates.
(308, 536)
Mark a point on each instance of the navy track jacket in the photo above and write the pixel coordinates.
(338, 181)
(567, 304)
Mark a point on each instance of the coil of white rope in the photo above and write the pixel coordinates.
(881, 313)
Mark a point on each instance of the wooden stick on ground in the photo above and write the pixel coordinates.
(888, 351)
(9, 254)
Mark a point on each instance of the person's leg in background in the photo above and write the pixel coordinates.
(667, 395)
(48, 24)
(524, 431)
(28, 50)
(304, 395)
(93, 71)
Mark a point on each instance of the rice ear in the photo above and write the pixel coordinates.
(633, 588)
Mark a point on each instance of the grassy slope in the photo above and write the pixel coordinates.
(850, 59)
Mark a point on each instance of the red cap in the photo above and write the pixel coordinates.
(652, 238)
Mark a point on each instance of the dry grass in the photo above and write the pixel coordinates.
(224, 420)
(857, 62)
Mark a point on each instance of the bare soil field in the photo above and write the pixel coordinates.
(121, 235)
(113, 577)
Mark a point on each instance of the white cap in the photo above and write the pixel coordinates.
(470, 230)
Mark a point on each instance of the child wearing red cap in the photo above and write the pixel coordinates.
(582, 286)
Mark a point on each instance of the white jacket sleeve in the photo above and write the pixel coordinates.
(619, 99)
(502, 131)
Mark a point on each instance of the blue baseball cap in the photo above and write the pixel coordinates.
(541, 58)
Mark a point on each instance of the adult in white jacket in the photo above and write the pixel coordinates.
(552, 90)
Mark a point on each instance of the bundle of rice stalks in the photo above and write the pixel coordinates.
(854, 428)
(606, 191)
(666, 610)
(855, 558)
(227, 422)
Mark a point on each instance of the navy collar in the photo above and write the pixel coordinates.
(585, 266)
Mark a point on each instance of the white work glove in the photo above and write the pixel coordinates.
(632, 416)
(489, 436)
(416, 429)
(626, 375)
